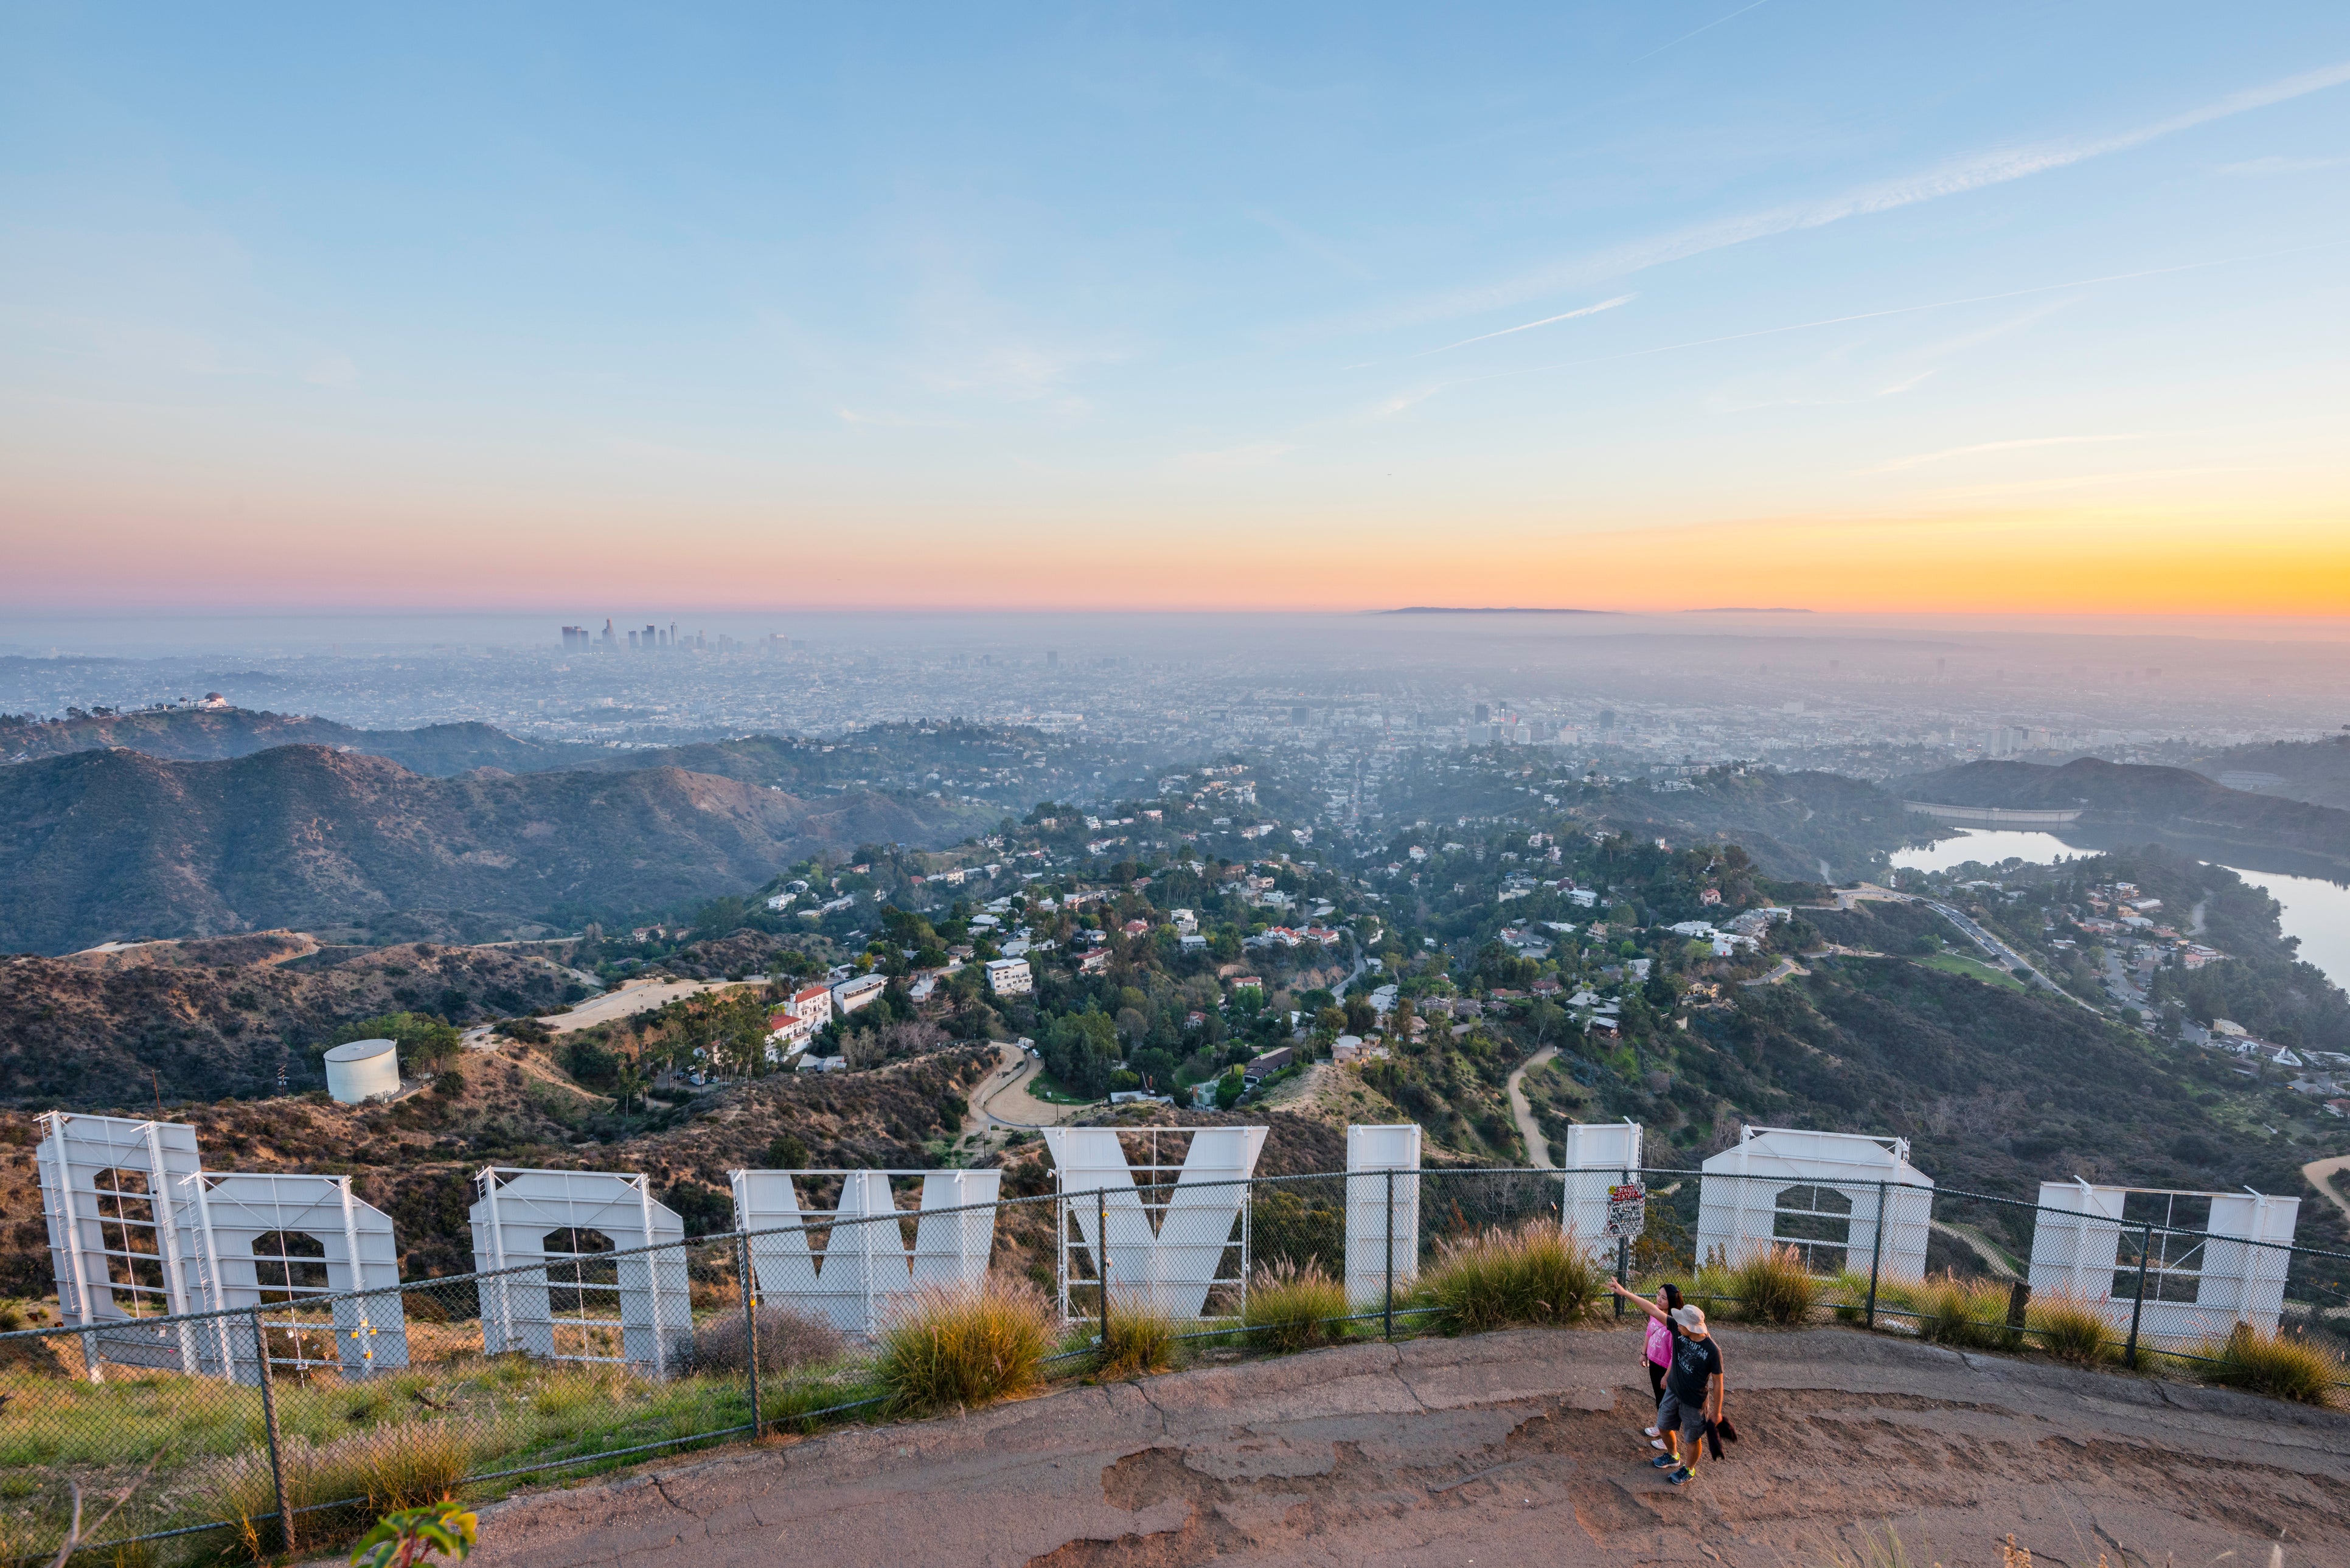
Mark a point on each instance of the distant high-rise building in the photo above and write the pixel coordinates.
(1297, 716)
(1051, 660)
(1484, 713)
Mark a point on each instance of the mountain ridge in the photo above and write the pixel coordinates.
(98, 846)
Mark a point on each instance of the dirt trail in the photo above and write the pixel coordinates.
(1537, 1146)
(634, 997)
(2316, 1173)
(1507, 1448)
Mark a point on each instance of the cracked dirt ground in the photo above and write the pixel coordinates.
(1509, 1449)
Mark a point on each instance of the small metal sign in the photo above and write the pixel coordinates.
(1628, 1212)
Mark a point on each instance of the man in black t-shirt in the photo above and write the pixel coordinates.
(1693, 1386)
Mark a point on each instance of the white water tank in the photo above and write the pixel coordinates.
(363, 1069)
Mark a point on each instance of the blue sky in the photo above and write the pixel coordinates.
(1085, 305)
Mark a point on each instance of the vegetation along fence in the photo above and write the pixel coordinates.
(241, 1433)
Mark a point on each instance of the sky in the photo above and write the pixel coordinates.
(2033, 309)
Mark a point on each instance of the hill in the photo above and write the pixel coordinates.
(217, 734)
(2174, 803)
(1793, 823)
(220, 1017)
(2317, 771)
(104, 846)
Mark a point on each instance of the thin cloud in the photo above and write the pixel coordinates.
(2257, 167)
(1709, 27)
(1530, 326)
(1919, 460)
(1958, 177)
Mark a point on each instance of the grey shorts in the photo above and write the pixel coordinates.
(1688, 1419)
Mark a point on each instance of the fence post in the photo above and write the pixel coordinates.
(1390, 1297)
(1623, 1260)
(1875, 1252)
(2137, 1307)
(269, 1425)
(1101, 1258)
(750, 1325)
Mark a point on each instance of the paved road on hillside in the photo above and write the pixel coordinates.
(1006, 1102)
(1504, 1449)
(1537, 1146)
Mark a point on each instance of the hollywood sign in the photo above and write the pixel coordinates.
(161, 1264)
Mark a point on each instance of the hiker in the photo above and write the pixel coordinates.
(1657, 1354)
(1693, 1386)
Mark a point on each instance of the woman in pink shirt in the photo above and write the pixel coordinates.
(1658, 1354)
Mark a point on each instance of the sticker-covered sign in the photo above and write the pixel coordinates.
(1628, 1212)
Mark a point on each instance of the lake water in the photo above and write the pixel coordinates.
(2315, 910)
(1989, 845)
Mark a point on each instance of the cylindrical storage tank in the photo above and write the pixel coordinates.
(362, 1070)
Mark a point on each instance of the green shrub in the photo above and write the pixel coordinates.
(2279, 1365)
(1294, 1306)
(2069, 1328)
(1529, 1275)
(953, 1348)
(1141, 1338)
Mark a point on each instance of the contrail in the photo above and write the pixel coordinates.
(1894, 310)
(1684, 37)
(1546, 321)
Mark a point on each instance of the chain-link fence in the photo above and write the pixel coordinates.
(297, 1418)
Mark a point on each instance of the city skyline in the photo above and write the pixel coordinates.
(2007, 313)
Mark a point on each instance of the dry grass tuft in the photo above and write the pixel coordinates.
(1141, 1338)
(2282, 1366)
(1529, 1275)
(1294, 1306)
(1967, 1313)
(954, 1349)
(1773, 1286)
(2070, 1328)
(787, 1340)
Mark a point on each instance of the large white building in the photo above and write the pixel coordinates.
(1010, 977)
(862, 992)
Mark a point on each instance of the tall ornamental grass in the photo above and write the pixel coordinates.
(1532, 1274)
(2282, 1366)
(1141, 1338)
(954, 1349)
(1294, 1306)
(2070, 1328)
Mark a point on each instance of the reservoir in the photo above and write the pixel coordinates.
(2315, 910)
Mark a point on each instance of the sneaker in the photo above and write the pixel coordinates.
(1664, 1461)
(1656, 1442)
(1650, 1432)
(1680, 1476)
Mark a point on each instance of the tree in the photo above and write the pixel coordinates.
(1229, 1089)
(426, 1042)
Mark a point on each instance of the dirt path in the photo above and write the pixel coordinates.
(633, 997)
(1537, 1146)
(2315, 1173)
(1510, 1448)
